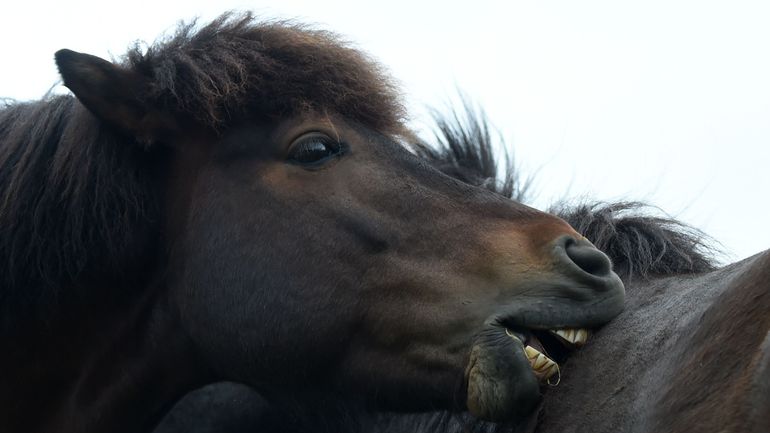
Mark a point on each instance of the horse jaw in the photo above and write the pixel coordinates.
(500, 387)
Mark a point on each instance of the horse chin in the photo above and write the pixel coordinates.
(501, 385)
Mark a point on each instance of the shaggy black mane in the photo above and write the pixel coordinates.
(74, 204)
(640, 241)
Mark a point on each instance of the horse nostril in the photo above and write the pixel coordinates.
(588, 258)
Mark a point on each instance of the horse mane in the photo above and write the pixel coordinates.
(77, 210)
(72, 201)
(640, 241)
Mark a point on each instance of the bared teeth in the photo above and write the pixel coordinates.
(575, 337)
(544, 367)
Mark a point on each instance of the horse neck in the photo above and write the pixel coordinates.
(106, 367)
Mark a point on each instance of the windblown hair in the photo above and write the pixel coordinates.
(76, 207)
(641, 242)
(463, 148)
(238, 67)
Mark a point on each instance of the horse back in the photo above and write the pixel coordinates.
(722, 382)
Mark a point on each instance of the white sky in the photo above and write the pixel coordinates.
(662, 101)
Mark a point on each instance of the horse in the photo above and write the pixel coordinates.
(691, 351)
(236, 202)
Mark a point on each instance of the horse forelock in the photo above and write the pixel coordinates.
(239, 67)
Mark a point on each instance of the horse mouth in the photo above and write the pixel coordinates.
(545, 350)
(508, 366)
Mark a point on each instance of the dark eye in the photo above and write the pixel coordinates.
(314, 149)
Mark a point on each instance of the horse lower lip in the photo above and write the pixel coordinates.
(499, 387)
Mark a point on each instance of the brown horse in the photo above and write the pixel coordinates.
(235, 203)
(691, 351)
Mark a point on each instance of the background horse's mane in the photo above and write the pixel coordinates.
(76, 206)
(640, 240)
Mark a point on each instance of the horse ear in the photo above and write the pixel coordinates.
(112, 94)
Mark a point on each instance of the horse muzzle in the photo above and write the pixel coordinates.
(519, 349)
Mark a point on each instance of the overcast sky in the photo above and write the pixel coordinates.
(662, 101)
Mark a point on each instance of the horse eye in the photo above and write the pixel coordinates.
(314, 149)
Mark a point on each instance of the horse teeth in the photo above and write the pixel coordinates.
(543, 366)
(531, 353)
(575, 337)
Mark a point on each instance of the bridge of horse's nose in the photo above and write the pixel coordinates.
(586, 257)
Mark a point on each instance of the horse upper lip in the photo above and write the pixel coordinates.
(565, 306)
